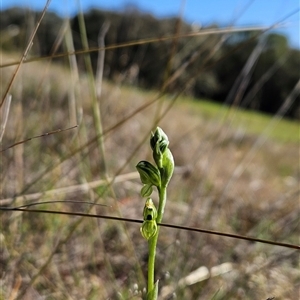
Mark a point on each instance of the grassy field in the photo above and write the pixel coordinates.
(236, 171)
(276, 129)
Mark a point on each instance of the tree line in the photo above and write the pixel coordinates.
(246, 69)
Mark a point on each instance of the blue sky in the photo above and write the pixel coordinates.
(224, 12)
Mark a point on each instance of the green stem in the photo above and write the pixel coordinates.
(162, 191)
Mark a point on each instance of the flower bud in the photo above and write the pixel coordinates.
(159, 143)
(149, 174)
(162, 155)
(149, 212)
(157, 137)
(149, 227)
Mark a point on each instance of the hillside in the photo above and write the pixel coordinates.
(259, 67)
(236, 172)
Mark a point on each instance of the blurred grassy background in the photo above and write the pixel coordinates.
(236, 171)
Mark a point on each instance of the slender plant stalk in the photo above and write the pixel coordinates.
(151, 261)
(153, 241)
(95, 105)
(4, 116)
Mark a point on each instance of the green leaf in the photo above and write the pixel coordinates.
(146, 190)
(149, 174)
(152, 295)
(168, 167)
